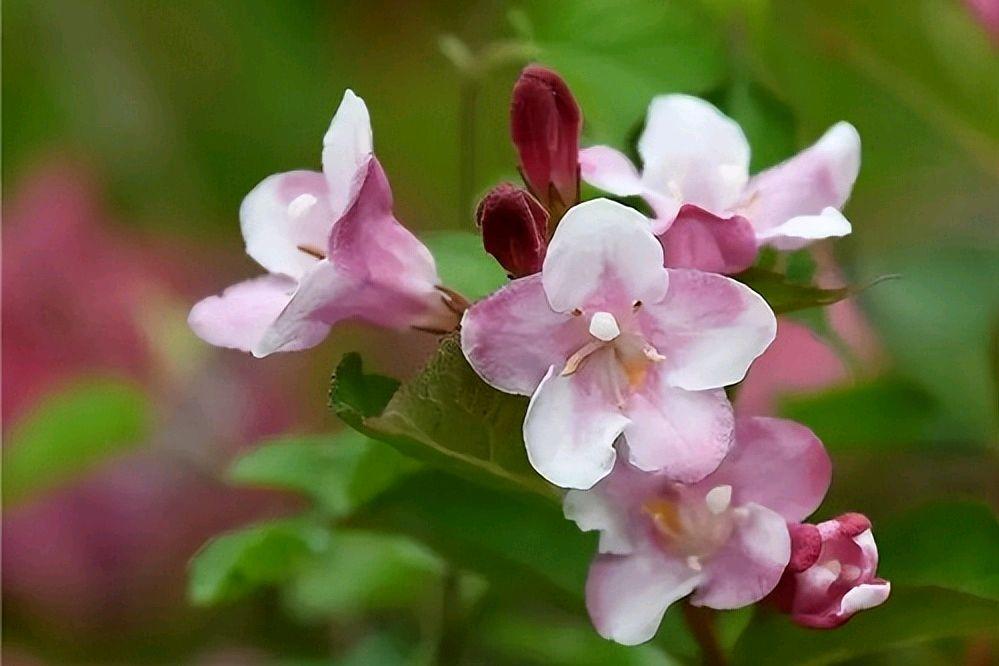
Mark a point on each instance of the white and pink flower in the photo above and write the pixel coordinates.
(832, 573)
(607, 341)
(710, 213)
(725, 538)
(333, 251)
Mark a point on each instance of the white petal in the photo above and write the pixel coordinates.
(610, 170)
(863, 597)
(798, 231)
(346, 148)
(593, 510)
(694, 152)
(603, 251)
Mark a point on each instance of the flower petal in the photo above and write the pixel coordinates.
(799, 231)
(512, 337)
(694, 152)
(238, 317)
(595, 510)
(603, 250)
(778, 464)
(610, 170)
(862, 597)
(750, 564)
(570, 428)
(347, 145)
(627, 596)
(685, 434)
(285, 212)
(302, 323)
(816, 178)
(698, 239)
(709, 328)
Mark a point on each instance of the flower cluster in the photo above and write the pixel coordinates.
(623, 330)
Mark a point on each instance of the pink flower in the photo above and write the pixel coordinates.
(724, 538)
(832, 572)
(696, 178)
(333, 251)
(545, 123)
(607, 341)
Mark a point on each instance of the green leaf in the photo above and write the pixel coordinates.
(464, 265)
(355, 395)
(910, 616)
(784, 295)
(339, 472)
(71, 432)
(233, 565)
(362, 571)
(888, 412)
(800, 267)
(449, 417)
(617, 56)
(954, 545)
(519, 540)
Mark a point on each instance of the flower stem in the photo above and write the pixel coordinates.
(701, 622)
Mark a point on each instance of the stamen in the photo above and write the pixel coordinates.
(834, 566)
(577, 359)
(636, 305)
(576, 312)
(694, 562)
(653, 354)
(851, 572)
(308, 249)
(604, 327)
(454, 301)
(718, 499)
(300, 205)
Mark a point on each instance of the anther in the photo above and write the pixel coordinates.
(300, 205)
(604, 327)
(718, 499)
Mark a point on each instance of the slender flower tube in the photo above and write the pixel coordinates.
(545, 124)
(832, 573)
(724, 538)
(514, 229)
(710, 214)
(333, 251)
(607, 341)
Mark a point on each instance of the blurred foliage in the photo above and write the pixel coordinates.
(184, 106)
(70, 432)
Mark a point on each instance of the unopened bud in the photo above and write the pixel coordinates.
(545, 123)
(514, 229)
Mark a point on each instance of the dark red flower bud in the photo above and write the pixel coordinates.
(545, 123)
(514, 229)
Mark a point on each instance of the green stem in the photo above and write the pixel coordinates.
(701, 622)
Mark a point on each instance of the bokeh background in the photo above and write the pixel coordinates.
(132, 130)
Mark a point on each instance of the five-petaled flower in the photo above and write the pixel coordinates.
(333, 251)
(832, 573)
(608, 341)
(710, 213)
(724, 538)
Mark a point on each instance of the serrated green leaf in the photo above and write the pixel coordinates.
(450, 418)
(233, 565)
(464, 265)
(70, 432)
(910, 616)
(355, 395)
(954, 545)
(783, 295)
(338, 472)
(363, 571)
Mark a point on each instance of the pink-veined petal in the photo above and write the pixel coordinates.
(570, 428)
(627, 596)
(749, 565)
(683, 434)
(512, 337)
(239, 316)
(819, 177)
(778, 464)
(610, 170)
(698, 239)
(286, 212)
(709, 328)
(694, 153)
(606, 251)
(347, 146)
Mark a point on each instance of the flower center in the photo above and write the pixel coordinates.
(694, 528)
(632, 354)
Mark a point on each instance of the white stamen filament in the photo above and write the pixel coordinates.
(604, 327)
(718, 499)
(300, 205)
(653, 354)
(694, 562)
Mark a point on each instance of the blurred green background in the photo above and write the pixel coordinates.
(131, 132)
